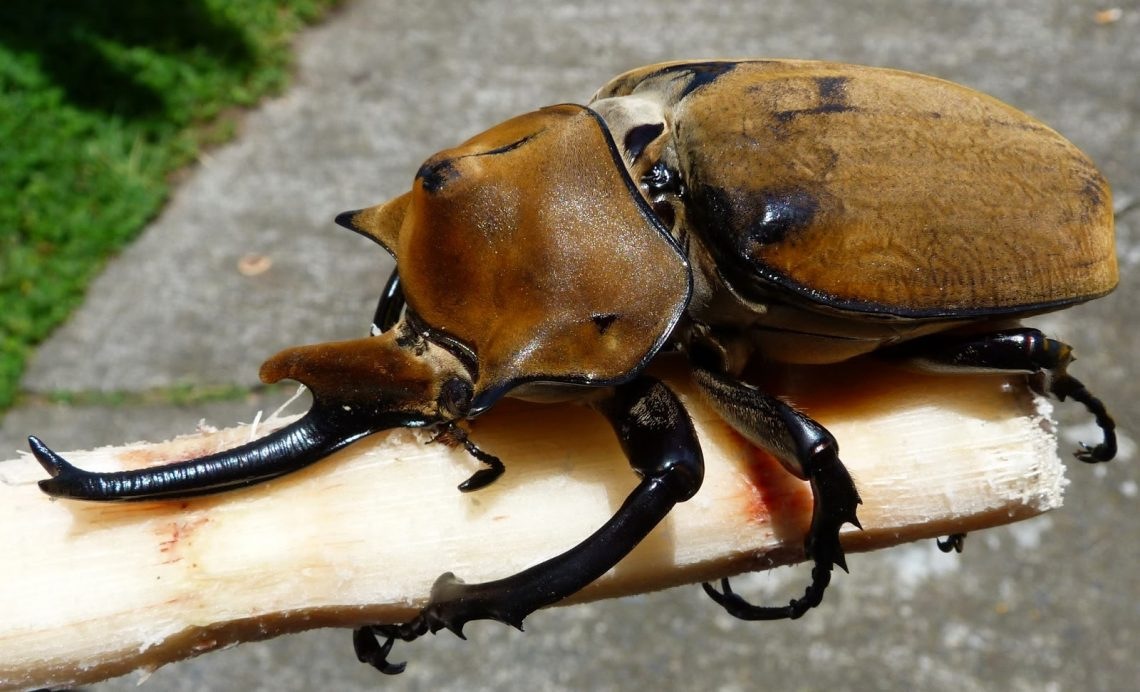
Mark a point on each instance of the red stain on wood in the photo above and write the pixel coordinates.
(778, 498)
(174, 535)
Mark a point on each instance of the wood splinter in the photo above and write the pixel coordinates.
(91, 591)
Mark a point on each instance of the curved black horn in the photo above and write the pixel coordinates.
(360, 387)
(322, 431)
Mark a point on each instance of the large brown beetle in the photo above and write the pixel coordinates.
(788, 211)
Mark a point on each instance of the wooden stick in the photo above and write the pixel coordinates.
(90, 591)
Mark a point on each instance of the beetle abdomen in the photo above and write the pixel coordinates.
(881, 191)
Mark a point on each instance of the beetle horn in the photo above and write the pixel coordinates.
(359, 387)
(380, 223)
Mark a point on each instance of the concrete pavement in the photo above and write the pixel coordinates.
(1048, 604)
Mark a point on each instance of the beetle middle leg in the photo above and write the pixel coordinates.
(390, 306)
(809, 451)
(952, 543)
(1015, 350)
(658, 438)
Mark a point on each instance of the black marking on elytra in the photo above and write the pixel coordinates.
(832, 89)
(701, 74)
(604, 321)
(433, 175)
(746, 221)
(782, 213)
(1093, 192)
(1093, 188)
(712, 208)
(832, 99)
(639, 137)
(823, 109)
(664, 211)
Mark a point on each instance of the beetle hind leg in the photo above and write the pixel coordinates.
(1068, 386)
(1016, 350)
(809, 451)
(658, 438)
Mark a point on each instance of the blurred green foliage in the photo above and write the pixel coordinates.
(100, 102)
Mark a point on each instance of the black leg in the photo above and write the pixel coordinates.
(657, 437)
(391, 305)
(324, 430)
(1015, 350)
(952, 543)
(810, 452)
(451, 435)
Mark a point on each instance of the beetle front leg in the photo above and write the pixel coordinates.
(658, 438)
(809, 451)
(1016, 350)
(452, 435)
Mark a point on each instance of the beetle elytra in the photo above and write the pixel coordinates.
(738, 211)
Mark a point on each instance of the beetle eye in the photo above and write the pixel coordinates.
(455, 397)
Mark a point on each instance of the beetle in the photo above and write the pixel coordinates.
(772, 211)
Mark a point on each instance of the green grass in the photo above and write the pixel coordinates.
(175, 395)
(100, 102)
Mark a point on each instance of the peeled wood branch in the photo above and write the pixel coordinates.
(90, 591)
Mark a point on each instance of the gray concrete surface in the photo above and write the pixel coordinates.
(1050, 604)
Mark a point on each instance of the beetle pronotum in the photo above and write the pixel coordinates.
(774, 211)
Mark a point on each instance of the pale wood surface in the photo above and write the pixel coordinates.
(89, 591)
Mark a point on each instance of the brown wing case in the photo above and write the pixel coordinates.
(881, 191)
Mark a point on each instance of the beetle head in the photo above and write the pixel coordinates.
(528, 253)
